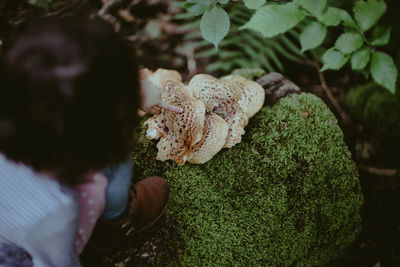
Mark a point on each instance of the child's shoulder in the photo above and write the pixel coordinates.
(27, 197)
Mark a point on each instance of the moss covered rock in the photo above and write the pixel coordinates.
(288, 194)
(378, 109)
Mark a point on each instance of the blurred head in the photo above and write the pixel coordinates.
(68, 97)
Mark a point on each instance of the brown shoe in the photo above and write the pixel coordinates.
(147, 203)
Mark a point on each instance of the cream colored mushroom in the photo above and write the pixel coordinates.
(214, 138)
(215, 112)
(178, 131)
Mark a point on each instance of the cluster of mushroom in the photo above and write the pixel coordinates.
(215, 112)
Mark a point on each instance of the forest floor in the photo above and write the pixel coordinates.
(160, 43)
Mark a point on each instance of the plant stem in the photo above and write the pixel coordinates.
(379, 171)
(344, 117)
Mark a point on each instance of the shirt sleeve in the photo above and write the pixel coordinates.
(91, 198)
(51, 242)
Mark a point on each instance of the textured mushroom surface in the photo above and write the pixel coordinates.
(215, 112)
(234, 98)
(214, 137)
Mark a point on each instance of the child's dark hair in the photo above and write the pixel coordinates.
(68, 97)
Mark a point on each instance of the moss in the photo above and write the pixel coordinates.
(288, 194)
(378, 109)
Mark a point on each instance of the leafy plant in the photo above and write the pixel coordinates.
(378, 110)
(357, 44)
(241, 48)
(40, 3)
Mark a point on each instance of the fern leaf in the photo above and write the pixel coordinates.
(184, 16)
(207, 53)
(274, 58)
(190, 26)
(283, 52)
(265, 63)
(230, 54)
(292, 47)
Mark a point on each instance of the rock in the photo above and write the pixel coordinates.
(288, 194)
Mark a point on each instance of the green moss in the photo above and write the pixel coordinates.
(288, 194)
(378, 109)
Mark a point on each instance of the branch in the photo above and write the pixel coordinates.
(67, 8)
(108, 6)
(345, 118)
(378, 171)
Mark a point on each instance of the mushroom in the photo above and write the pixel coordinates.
(214, 138)
(234, 98)
(177, 131)
(215, 112)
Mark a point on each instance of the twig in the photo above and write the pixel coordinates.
(104, 13)
(345, 118)
(108, 6)
(132, 4)
(63, 10)
(379, 171)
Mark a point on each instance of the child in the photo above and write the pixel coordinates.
(68, 103)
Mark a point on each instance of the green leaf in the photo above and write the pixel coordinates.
(368, 13)
(384, 71)
(348, 21)
(315, 7)
(214, 25)
(198, 7)
(272, 20)
(223, 2)
(380, 35)
(333, 59)
(360, 59)
(349, 42)
(331, 17)
(312, 36)
(254, 4)
(365, 73)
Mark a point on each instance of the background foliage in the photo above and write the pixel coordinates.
(242, 48)
(358, 44)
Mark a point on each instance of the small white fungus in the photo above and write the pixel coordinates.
(151, 133)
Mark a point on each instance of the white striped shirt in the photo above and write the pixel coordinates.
(37, 214)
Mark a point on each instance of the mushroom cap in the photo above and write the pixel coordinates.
(173, 147)
(155, 127)
(214, 137)
(215, 112)
(252, 96)
(160, 76)
(178, 131)
(236, 121)
(222, 97)
(182, 131)
(218, 96)
(190, 123)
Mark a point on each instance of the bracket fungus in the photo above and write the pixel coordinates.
(215, 112)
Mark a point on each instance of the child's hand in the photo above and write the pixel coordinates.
(151, 99)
